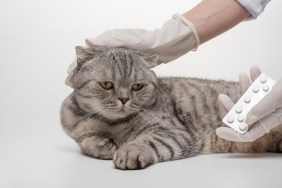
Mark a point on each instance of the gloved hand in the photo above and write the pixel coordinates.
(264, 116)
(176, 37)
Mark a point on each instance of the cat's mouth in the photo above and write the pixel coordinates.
(117, 114)
(124, 109)
(120, 111)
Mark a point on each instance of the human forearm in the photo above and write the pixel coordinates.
(213, 17)
(178, 35)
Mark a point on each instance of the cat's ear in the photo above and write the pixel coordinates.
(152, 60)
(84, 54)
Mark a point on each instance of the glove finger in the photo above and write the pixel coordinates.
(244, 82)
(137, 39)
(254, 72)
(272, 120)
(266, 106)
(277, 92)
(229, 134)
(225, 102)
(110, 38)
(256, 131)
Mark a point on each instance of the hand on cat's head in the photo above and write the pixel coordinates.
(85, 54)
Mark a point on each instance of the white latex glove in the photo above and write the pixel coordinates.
(264, 116)
(176, 37)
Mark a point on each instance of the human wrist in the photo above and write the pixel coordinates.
(213, 17)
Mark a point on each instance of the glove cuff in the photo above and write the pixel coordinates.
(191, 26)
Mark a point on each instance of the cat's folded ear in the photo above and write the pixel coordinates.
(84, 54)
(152, 60)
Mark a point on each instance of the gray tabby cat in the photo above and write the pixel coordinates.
(120, 110)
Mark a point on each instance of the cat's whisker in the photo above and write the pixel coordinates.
(132, 108)
(91, 113)
(153, 119)
(134, 116)
(110, 105)
(149, 119)
(144, 116)
(139, 108)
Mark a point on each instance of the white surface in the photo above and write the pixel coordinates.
(254, 94)
(37, 44)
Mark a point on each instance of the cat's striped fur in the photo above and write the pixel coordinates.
(169, 118)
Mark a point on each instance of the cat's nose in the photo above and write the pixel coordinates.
(123, 100)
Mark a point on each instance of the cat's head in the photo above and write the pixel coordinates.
(114, 82)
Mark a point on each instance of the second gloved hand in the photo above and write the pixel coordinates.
(175, 38)
(263, 117)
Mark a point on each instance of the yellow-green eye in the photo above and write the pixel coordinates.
(107, 85)
(137, 87)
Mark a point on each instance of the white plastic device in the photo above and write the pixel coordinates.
(236, 117)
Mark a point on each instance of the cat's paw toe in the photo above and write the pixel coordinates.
(101, 148)
(131, 158)
(108, 151)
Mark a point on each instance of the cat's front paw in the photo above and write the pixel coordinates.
(132, 157)
(99, 147)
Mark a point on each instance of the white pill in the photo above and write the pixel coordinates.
(238, 109)
(263, 79)
(243, 127)
(256, 89)
(240, 118)
(247, 99)
(230, 119)
(265, 88)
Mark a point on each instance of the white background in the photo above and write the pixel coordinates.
(37, 40)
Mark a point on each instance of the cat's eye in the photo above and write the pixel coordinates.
(137, 87)
(107, 85)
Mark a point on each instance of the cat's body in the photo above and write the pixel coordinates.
(167, 119)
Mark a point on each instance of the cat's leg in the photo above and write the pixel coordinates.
(271, 142)
(280, 146)
(157, 146)
(98, 147)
